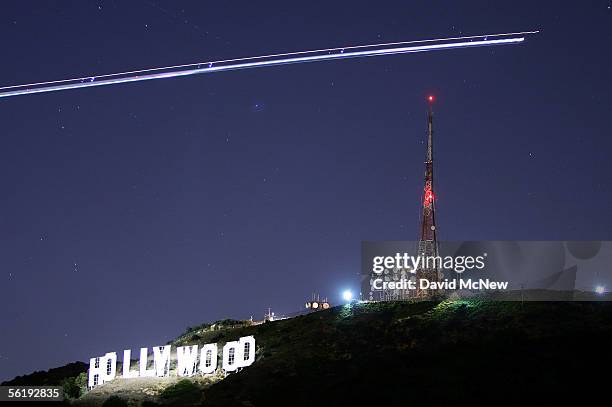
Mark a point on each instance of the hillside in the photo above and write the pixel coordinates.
(395, 352)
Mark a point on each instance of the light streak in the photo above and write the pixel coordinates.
(327, 54)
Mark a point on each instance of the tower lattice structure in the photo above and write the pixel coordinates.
(428, 241)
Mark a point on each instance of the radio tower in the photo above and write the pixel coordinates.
(428, 242)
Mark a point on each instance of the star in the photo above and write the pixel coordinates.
(258, 107)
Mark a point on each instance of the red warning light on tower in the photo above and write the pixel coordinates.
(429, 197)
(430, 98)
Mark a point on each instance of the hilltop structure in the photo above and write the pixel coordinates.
(428, 242)
(427, 248)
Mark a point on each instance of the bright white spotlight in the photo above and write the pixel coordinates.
(600, 289)
(347, 295)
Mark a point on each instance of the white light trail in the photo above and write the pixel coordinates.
(267, 60)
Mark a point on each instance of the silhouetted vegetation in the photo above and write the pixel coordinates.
(181, 393)
(114, 401)
(51, 377)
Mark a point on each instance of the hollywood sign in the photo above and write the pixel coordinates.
(235, 355)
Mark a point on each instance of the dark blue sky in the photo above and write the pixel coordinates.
(130, 212)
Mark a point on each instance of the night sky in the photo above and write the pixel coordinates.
(130, 212)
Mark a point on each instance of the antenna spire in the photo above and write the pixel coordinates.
(428, 241)
(429, 159)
